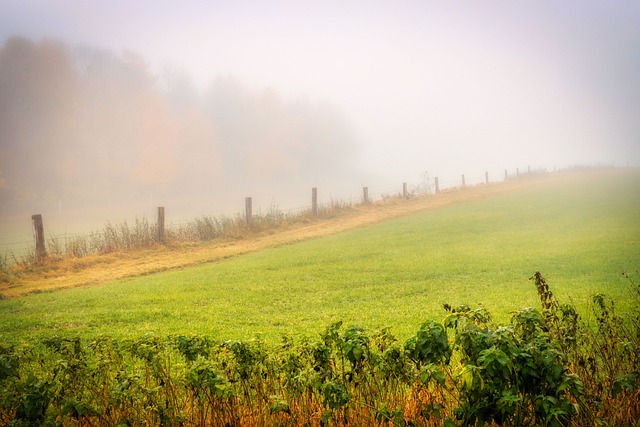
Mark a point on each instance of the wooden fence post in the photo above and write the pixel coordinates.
(505, 175)
(38, 234)
(437, 185)
(160, 224)
(365, 194)
(405, 193)
(486, 177)
(529, 169)
(314, 201)
(463, 183)
(247, 210)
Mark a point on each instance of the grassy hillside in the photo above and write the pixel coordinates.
(580, 233)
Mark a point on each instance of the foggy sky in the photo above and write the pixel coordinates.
(428, 86)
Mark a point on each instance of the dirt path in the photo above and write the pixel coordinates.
(60, 274)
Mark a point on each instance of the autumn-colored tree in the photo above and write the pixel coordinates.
(157, 144)
(88, 126)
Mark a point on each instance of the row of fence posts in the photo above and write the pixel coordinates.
(38, 227)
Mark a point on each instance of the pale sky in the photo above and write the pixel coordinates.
(444, 87)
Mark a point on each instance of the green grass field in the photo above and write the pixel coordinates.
(580, 234)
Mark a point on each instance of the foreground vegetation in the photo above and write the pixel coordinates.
(546, 367)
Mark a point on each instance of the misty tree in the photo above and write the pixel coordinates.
(90, 126)
(38, 123)
(272, 141)
(177, 86)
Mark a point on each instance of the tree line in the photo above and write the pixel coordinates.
(83, 124)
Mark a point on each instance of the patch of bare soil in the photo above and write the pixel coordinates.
(57, 274)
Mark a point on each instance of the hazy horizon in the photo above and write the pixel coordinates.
(270, 98)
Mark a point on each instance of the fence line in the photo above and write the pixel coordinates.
(429, 187)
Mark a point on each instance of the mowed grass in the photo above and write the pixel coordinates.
(581, 234)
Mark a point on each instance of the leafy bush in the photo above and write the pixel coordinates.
(466, 370)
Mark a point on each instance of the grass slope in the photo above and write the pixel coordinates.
(581, 234)
(61, 272)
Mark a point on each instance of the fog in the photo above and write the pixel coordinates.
(121, 106)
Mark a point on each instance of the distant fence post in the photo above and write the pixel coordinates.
(529, 169)
(248, 210)
(38, 234)
(463, 183)
(437, 185)
(486, 177)
(160, 224)
(506, 175)
(517, 171)
(405, 193)
(365, 194)
(314, 201)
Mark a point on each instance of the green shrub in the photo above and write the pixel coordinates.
(466, 370)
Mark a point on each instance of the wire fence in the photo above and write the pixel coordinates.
(19, 247)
